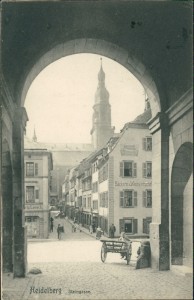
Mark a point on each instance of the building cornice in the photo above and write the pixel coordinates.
(181, 107)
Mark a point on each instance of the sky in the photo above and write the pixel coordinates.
(60, 100)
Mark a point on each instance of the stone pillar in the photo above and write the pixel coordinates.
(19, 234)
(159, 228)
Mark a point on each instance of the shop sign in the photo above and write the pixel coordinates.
(133, 183)
(34, 206)
(129, 150)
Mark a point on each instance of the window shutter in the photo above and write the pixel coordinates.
(134, 169)
(121, 169)
(135, 226)
(144, 143)
(121, 199)
(36, 168)
(144, 198)
(144, 170)
(144, 226)
(37, 194)
(135, 198)
(121, 225)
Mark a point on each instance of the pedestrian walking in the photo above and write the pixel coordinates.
(51, 224)
(60, 229)
(90, 229)
(93, 227)
(124, 238)
(51, 227)
(112, 230)
(99, 233)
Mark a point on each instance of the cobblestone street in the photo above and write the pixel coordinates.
(72, 269)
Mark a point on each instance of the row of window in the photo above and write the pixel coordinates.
(130, 225)
(129, 169)
(86, 201)
(128, 198)
(147, 146)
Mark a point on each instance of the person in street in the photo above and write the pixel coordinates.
(93, 227)
(51, 227)
(90, 229)
(112, 230)
(51, 224)
(125, 239)
(60, 229)
(99, 233)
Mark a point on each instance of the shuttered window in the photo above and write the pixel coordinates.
(128, 198)
(30, 194)
(29, 169)
(147, 144)
(146, 225)
(128, 169)
(147, 169)
(147, 198)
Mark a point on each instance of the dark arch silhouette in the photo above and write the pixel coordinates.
(181, 172)
(7, 208)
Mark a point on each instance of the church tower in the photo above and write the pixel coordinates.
(101, 120)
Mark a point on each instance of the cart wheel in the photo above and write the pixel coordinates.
(103, 253)
(128, 257)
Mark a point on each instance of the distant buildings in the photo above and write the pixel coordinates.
(65, 156)
(38, 165)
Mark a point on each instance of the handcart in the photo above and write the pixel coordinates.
(116, 246)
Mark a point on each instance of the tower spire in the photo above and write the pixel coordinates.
(101, 75)
(34, 136)
(101, 120)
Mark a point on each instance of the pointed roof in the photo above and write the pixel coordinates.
(101, 95)
(101, 74)
(34, 136)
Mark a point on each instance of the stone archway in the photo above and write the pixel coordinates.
(7, 208)
(101, 47)
(181, 207)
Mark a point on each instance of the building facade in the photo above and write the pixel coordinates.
(38, 165)
(125, 181)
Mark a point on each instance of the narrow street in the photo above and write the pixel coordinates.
(72, 269)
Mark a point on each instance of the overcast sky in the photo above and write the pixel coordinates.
(60, 100)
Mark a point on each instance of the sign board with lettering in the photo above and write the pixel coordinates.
(129, 150)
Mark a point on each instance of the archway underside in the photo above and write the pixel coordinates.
(100, 47)
(181, 207)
